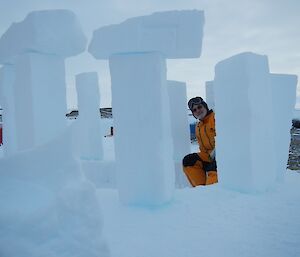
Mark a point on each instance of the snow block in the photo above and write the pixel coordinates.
(48, 205)
(40, 98)
(244, 119)
(175, 34)
(7, 102)
(46, 164)
(101, 173)
(89, 120)
(284, 99)
(179, 119)
(180, 178)
(56, 32)
(143, 138)
(179, 126)
(210, 98)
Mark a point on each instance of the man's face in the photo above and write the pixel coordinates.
(199, 111)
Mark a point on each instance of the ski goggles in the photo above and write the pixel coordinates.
(195, 101)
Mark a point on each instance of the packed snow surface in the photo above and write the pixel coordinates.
(207, 221)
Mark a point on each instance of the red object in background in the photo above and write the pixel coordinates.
(1, 142)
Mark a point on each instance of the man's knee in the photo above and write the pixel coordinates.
(195, 174)
(190, 159)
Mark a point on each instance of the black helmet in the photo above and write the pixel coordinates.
(196, 101)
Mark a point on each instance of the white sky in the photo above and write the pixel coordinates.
(268, 27)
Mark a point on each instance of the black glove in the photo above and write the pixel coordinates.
(210, 166)
(190, 159)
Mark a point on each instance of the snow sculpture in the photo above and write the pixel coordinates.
(245, 135)
(40, 98)
(37, 47)
(180, 128)
(46, 201)
(89, 133)
(175, 34)
(101, 173)
(89, 122)
(145, 171)
(210, 98)
(48, 204)
(7, 100)
(56, 32)
(284, 99)
(137, 50)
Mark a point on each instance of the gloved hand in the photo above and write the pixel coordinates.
(190, 159)
(210, 166)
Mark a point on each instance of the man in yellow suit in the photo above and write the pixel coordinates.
(201, 168)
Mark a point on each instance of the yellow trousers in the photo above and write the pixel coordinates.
(197, 176)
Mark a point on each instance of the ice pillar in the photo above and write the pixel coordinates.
(7, 101)
(89, 122)
(284, 99)
(210, 98)
(40, 98)
(244, 142)
(38, 46)
(137, 50)
(143, 144)
(179, 127)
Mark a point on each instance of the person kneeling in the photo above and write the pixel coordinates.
(201, 168)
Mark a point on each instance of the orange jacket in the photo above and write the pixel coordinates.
(205, 133)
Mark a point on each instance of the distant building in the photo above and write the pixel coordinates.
(104, 112)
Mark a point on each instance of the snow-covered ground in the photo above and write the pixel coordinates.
(207, 221)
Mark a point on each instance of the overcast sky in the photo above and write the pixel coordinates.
(270, 27)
